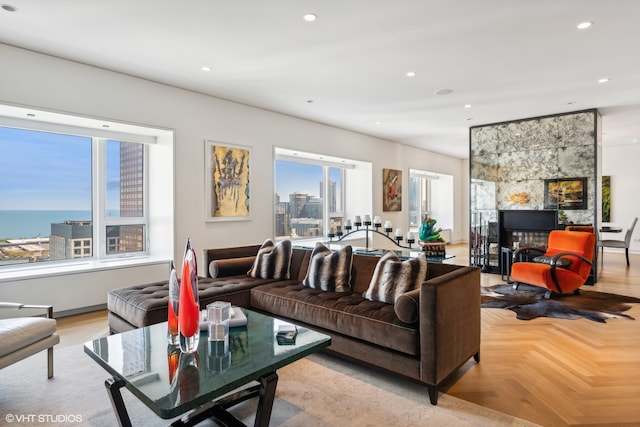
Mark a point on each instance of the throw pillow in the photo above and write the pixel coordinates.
(392, 277)
(329, 270)
(561, 262)
(272, 261)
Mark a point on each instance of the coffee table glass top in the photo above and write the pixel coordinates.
(170, 382)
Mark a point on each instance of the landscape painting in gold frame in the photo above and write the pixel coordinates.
(565, 193)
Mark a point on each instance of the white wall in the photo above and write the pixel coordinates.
(45, 82)
(621, 163)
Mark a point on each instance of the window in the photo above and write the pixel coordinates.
(309, 195)
(430, 194)
(65, 196)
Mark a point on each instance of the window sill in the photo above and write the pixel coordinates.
(81, 267)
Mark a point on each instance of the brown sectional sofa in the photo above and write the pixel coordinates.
(438, 333)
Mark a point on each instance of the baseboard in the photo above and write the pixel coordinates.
(81, 310)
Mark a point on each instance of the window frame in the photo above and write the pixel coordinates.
(316, 160)
(100, 202)
(99, 218)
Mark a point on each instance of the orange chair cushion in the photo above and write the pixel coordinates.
(540, 275)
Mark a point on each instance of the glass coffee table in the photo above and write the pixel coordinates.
(208, 381)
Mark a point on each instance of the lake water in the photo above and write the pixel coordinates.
(29, 224)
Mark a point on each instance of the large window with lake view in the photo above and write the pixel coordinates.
(65, 196)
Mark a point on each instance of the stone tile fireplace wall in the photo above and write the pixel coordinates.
(510, 162)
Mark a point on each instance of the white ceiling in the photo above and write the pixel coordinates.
(509, 59)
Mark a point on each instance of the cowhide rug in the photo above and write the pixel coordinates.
(528, 302)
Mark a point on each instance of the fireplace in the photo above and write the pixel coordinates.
(526, 227)
(513, 228)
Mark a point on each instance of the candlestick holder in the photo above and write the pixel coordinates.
(367, 229)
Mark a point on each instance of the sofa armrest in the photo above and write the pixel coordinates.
(19, 306)
(449, 322)
(230, 267)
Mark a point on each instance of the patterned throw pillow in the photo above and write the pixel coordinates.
(272, 261)
(392, 277)
(328, 270)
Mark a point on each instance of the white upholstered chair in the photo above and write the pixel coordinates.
(23, 336)
(612, 243)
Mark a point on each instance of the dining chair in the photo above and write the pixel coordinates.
(614, 243)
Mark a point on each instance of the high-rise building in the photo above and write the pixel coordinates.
(71, 239)
(131, 179)
(129, 238)
(297, 202)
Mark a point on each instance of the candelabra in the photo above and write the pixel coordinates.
(373, 227)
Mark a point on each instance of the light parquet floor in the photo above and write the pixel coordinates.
(553, 372)
(558, 372)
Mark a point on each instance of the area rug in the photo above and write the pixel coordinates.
(528, 302)
(316, 391)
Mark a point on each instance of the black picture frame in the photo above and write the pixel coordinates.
(565, 193)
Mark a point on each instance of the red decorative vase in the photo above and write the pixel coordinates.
(189, 304)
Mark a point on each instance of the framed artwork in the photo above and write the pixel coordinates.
(565, 193)
(391, 190)
(606, 198)
(227, 182)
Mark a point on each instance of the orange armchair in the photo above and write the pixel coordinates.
(575, 248)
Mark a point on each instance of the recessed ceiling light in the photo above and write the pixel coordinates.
(603, 80)
(443, 91)
(205, 68)
(469, 119)
(584, 25)
(378, 122)
(9, 8)
(467, 105)
(411, 73)
(309, 101)
(309, 17)
(634, 140)
(105, 126)
(571, 102)
(30, 115)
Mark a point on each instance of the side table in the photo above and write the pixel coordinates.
(506, 259)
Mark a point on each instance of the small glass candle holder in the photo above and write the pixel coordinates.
(218, 316)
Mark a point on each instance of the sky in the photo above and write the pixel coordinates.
(47, 171)
(305, 178)
(292, 177)
(54, 172)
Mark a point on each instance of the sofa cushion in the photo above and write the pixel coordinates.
(272, 261)
(347, 314)
(393, 277)
(20, 332)
(231, 266)
(329, 270)
(147, 304)
(407, 306)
